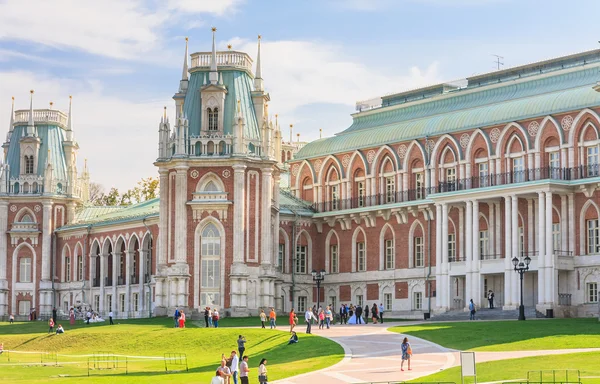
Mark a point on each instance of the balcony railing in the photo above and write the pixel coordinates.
(493, 256)
(509, 178)
(95, 282)
(560, 252)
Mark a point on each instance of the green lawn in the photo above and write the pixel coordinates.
(513, 369)
(154, 337)
(509, 335)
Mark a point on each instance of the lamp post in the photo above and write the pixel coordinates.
(318, 277)
(521, 267)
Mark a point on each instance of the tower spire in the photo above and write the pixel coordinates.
(258, 81)
(70, 120)
(291, 129)
(213, 76)
(30, 124)
(12, 114)
(183, 84)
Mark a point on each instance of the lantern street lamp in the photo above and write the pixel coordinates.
(318, 277)
(521, 266)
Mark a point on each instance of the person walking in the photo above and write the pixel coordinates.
(241, 341)
(54, 314)
(374, 313)
(51, 324)
(88, 316)
(272, 318)
(406, 353)
(234, 366)
(181, 319)
(491, 299)
(244, 370)
(367, 314)
(110, 318)
(293, 320)
(471, 310)
(215, 318)
(206, 315)
(210, 316)
(263, 318)
(381, 312)
(321, 319)
(308, 317)
(328, 316)
(176, 318)
(262, 371)
(11, 319)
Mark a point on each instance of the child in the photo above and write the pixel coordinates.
(51, 323)
(263, 318)
(11, 318)
(60, 329)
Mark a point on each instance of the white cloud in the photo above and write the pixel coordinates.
(378, 5)
(219, 8)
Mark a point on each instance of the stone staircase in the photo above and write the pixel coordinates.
(487, 314)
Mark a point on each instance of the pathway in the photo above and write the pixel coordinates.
(372, 354)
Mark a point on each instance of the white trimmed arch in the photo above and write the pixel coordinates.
(197, 262)
(66, 252)
(548, 121)
(25, 211)
(582, 224)
(208, 178)
(501, 139)
(469, 151)
(286, 250)
(414, 144)
(360, 156)
(308, 250)
(336, 163)
(581, 115)
(384, 230)
(411, 241)
(332, 233)
(381, 154)
(357, 231)
(455, 143)
(305, 163)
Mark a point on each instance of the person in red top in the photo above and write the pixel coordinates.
(293, 320)
(51, 324)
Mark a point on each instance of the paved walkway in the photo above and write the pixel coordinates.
(372, 354)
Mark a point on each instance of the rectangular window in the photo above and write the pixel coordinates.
(65, 307)
(122, 303)
(390, 189)
(135, 302)
(280, 256)
(418, 300)
(68, 269)
(97, 303)
(300, 264)
(24, 307)
(25, 270)
(333, 303)
(484, 243)
(109, 302)
(301, 304)
(387, 301)
(79, 268)
(389, 254)
(121, 269)
(333, 251)
(452, 247)
(592, 292)
(554, 165)
(483, 175)
(592, 161)
(418, 251)
(360, 193)
(359, 300)
(334, 197)
(360, 257)
(518, 170)
(213, 119)
(29, 164)
(451, 179)
(593, 239)
(521, 241)
(556, 235)
(419, 186)
(210, 273)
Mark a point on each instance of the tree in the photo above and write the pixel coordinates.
(146, 189)
(96, 190)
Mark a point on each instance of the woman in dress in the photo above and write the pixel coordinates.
(72, 316)
(406, 353)
(375, 313)
(293, 320)
(181, 319)
(262, 371)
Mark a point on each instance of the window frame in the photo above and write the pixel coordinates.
(452, 247)
(334, 255)
(419, 251)
(484, 243)
(387, 301)
(25, 270)
(390, 189)
(484, 174)
(417, 301)
(361, 256)
(592, 237)
(591, 292)
(301, 259)
(389, 253)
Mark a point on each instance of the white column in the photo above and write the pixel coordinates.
(549, 274)
(498, 230)
(116, 262)
(445, 288)
(438, 255)
(46, 243)
(469, 254)
(571, 214)
(515, 245)
(536, 224)
(530, 226)
(265, 242)
(508, 267)
(102, 275)
(180, 214)
(238, 212)
(461, 232)
(163, 218)
(3, 259)
(541, 247)
(141, 296)
(491, 229)
(128, 281)
(564, 226)
(476, 276)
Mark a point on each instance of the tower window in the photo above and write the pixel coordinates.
(213, 119)
(29, 165)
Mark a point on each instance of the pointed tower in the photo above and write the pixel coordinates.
(84, 182)
(70, 120)
(213, 75)
(183, 84)
(6, 144)
(70, 147)
(258, 80)
(30, 131)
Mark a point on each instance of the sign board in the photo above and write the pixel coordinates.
(467, 365)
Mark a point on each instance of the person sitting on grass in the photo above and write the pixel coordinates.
(60, 329)
(1, 348)
(293, 338)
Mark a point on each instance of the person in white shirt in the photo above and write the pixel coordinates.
(110, 316)
(244, 370)
(217, 379)
(234, 366)
(308, 315)
(381, 312)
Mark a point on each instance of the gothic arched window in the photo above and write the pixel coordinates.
(213, 119)
(29, 165)
(210, 254)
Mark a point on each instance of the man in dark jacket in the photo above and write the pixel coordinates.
(367, 314)
(206, 314)
(358, 313)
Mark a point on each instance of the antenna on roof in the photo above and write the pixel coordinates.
(497, 61)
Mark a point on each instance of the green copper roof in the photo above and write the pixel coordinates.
(239, 87)
(463, 110)
(289, 205)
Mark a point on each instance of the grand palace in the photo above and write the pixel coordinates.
(421, 204)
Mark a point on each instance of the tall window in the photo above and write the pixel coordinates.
(554, 164)
(136, 302)
(210, 266)
(109, 302)
(556, 235)
(29, 165)
(359, 300)
(521, 241)
(213, 119)
(484, 243)
(79, 268)
(518, 170)
(418, 300)
(387, 301)
(301, 304)
(121, 279)
(97, 303)
(419, 185)
(122, 302)
(25, 270)
(300, 265)
(451, 247)
(333, 303)
(360, 193)
(390, 189)
(360, 256)
(389, 254)
(333, 251)
(593, 239)
(418, 245)
(592, 161)
(451, 178)
(334, 197)
(24, 307)
(483, 175)
(592, 292)
(280, 256)
(68, 269)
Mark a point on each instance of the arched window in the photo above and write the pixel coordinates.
(211, 187)
(26, 218)
(29, 165)
(25, 270)
(198, 148)
(79, 268)
(210, 254)
(67, 269)
(213, 119)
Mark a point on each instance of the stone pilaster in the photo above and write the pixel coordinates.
(3, 258)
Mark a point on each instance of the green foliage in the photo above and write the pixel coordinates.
(145, 189)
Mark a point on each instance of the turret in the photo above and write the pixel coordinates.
(213, 75)
(6, 144)
(70, 120)
(84, 182)
(183, 84)
(258, 81)
(30, 131)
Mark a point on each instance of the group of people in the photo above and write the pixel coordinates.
(59, 329)
(473, 309)
(232, 368)
(211, 317)
(272, 318)
(323, 317)
(179, 318)
(350, 314)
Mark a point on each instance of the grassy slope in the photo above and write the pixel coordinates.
(153, 338)
(510, 335)
(512, 369)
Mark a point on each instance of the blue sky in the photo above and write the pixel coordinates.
(121, 59)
